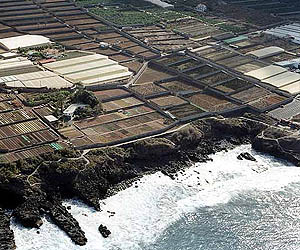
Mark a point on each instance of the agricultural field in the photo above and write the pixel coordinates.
(184, 65)
(211, 102)
(15, 117)
(251, 94)
(184, 111)
(233, 85)
(121, 104)
(147, 89)
(167, 101)
(108, 94)
(140, 3)
(161, 38)
(173, 59)
(216, 78)
(234, 61)
(152, 74)
(114, 128)
(267, 101)
(28, 140)
(200, 71)
(30, 153)
(125, 16)
(178, 86)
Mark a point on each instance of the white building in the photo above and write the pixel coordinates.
(25, 41)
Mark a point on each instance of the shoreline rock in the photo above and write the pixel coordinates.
(281, 143)
(7, 241)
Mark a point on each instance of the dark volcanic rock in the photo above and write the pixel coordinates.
(282, 143)
(152, 148)
(246, 156)
(104, 231)
(7, 241)
(67, 223)
(28, 214)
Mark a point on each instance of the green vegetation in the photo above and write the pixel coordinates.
(135, 3)
(166, 15)
(125, 16)
(232, 28)
(53, 98)
(86, 97)
(42, 52)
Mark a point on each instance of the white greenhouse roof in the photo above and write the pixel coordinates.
(90, 69)
(13, 65)
(283, 79)
(50, 83)
(96, 73)
(266, 52)
(8, 55)
(266, 72)
(12, 60)
(293, 88)
(75, 61)
(15, 84)
(25, 41)
(110, 78)
(85, 66)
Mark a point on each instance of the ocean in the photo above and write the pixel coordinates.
(223, 204)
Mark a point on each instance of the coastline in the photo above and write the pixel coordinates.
(40, 189)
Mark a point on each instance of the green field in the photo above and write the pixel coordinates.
(125, 16)
(139, 3)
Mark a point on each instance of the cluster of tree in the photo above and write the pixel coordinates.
(87, 97)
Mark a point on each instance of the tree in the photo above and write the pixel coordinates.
(86, 97)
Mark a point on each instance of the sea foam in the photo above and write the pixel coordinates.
(142, 213)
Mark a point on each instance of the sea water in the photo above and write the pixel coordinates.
(223, 204)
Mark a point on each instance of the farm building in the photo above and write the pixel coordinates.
(25, 41)
(90, 70)
(283, 79)
(266, 72)
(266, 52)
(21, 73)
(290, 31)
(293, 88)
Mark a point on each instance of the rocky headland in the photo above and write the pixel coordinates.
(37, 186)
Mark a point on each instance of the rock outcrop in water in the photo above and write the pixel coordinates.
(37, 186)
(280, 142)
(246, 156)
(104, 231)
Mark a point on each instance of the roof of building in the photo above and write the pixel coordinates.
(85, 66)
(90, 69)
(24, 41)
(266, 72)
(72, 108)
(283, 79)
(8, 55)
(293, 88)
(266, 52)
(75, 61)
(51, 118)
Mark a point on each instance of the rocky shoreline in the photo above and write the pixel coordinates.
(37, 186)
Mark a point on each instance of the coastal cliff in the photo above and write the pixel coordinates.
(279, 142)
(38, 186)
